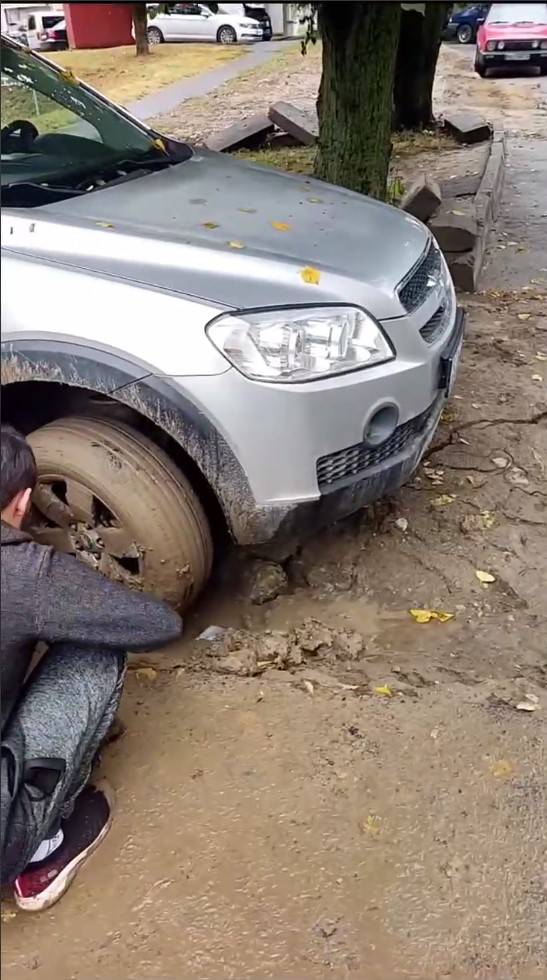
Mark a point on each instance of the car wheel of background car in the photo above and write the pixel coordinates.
(480, 66)
(107, 494)
(226, 35)
(155, 36)
(464, 33)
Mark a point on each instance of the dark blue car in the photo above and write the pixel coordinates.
(464, 24)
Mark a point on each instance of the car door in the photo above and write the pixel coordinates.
(188, 22)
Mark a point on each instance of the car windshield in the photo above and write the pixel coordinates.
(56, 133)
(518, 13)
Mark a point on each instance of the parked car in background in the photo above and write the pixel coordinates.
(196, 22)
(513, 34)
(255, 11)
(464, 24)
(54, 38)
(183, 370)
(38, 26)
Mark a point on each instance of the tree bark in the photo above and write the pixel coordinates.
(140, 24)
(419, 43)
(356, 92)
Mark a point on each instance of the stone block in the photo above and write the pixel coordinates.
(467, 127)
(251, 132)
(298, 123)
(422, 198)
(455, 226)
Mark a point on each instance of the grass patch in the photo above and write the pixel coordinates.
(294, 159)
(121, 76)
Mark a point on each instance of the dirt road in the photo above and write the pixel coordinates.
(377, 817)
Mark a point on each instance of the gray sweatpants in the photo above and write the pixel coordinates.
(58, 725)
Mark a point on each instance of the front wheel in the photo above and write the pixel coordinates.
(480, 66)
(464, 33)
(155, 36)
(226, 35)
(110, 496)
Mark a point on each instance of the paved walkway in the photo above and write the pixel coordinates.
(190, 88)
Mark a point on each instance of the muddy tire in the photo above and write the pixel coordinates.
(109, 495)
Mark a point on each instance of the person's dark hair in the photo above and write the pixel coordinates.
(18, 465)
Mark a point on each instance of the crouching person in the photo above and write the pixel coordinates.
(55, 719)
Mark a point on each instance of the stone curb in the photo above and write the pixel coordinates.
(466, 267)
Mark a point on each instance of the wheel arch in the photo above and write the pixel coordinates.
(164, 413)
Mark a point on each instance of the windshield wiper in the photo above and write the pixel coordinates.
(29, 194)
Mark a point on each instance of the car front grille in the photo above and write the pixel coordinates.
(415, 287)
(346, 464)
(517, 45)
(435, 326)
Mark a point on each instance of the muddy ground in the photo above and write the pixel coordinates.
(378, 811)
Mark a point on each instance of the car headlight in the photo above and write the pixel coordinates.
(292, 345)
(249, 23)
(491, 46)
(535, 44)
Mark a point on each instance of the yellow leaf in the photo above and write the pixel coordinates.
(427, 615)
(209, 225)
(236, 244)
(315, 200)
(68, 76)
(310, 275)
(371, 825)
(281, 226)
(523, 316)
(384, 690)
(146, 673)
(444, 500)
(501, 769)
(247, 210)
(105, 224)
(159, 144)
(488, 519)
(484, 577)
(540, 356)
(537, 377)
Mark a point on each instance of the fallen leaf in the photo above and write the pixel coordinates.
(500, 461)
(540, 356)
(488, 518)
(460, 213)
(427, 615)
(281, 225)
(401, 523)
(371, 825)
(308, 686)
(8, 914)
(384, 690)
(159, 144)
(501, 769)
(434, 733)
(209, 225)
(68, 76)
(247, 210)
(527, 706)
(537, 377)
(315, 200)
(310, 275)
(523, 316)
(146, 673)
(444, 500)
(236, 244)
(484, 577)
(105, 224)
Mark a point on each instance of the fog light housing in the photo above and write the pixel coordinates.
(501, 45)
(491, 46)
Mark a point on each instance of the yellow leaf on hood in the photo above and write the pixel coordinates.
(281, 225)
(209, 225)
(310, 275)
(236, 244)
(427, 615)
(159, 144)
(484, 577)
(68, 76)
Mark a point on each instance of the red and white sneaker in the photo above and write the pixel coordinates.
(43, 883)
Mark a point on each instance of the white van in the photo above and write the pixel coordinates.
(38, 25)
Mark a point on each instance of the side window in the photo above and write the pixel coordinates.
(186, 8)
(32, 23)
(20, 101)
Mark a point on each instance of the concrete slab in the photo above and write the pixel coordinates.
(298, 123)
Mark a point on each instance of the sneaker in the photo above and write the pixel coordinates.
(42, 884)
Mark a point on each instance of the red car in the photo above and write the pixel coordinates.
(513, 34)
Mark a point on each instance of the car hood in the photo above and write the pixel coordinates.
(501, 32)
(238, 236)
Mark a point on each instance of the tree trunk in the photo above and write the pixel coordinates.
(419, 43)
(355, 96)
(140, 24)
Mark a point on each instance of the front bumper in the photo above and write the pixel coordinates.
(302, 447)
(515, 59)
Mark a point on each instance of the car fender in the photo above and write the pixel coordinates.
(160, 401)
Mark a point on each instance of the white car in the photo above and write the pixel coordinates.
(196, 22)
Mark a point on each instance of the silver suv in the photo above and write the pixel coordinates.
(199, 346)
